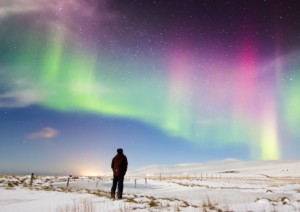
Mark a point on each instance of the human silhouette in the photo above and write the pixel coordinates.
(119, 166)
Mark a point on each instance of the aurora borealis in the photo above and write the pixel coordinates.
(168, 81)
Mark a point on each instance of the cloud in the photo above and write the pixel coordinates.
(69, 12)
(19, 98)
(45, 133)
(11, 7)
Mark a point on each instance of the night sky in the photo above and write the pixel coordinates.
(169, 81)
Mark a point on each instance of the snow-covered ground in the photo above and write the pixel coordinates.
(228, 185)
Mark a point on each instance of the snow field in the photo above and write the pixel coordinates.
(231, 186)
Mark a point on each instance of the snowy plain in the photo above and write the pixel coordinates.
(228, 185)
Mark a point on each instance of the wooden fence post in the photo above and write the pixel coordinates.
(68, 180)
(31, 179)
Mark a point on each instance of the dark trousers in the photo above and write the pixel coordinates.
(117, 181)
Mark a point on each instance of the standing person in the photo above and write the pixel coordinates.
(119, 166)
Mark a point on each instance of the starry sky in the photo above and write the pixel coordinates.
(169, 81)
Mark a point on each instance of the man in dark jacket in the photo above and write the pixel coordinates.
(119, 166)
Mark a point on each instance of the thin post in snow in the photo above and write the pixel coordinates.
(31, 179)
(68, 181)
(134, 183)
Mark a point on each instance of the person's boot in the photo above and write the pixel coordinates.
(119, 195)
(112, 195)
